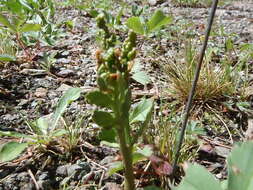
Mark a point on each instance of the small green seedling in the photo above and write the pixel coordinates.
(113, 97)
(157, 20)
(45, 129)
(114, 65)
(26, 19)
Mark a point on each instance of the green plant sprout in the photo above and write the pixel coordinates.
(45, 130)
(27, 20)
(113, 97)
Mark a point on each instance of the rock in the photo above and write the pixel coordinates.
(11, 182)
(86, 169)
(33, 72)
(222, 151)
(28, 186)
(40, 92)
(65, 53)
(23, 177)
(63, 60)
(42, 82)
(63, 88)
(152, 2)
(107, 160)
(23, 102)
(74, 171)
(65, 73)
(45, 184)
(249, 131)
(4, 173)
(62, 170)
(43, 176)
(10, 117)
(111, 186)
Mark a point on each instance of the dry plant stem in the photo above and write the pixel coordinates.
(225, 125)
(126, 152)
(194, 84)
(22, 45)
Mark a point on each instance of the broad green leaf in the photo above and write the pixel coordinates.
(30, 28)
(141, 77)
(42, 125)
(135, 24)
(139, 155)
(198, 178)
(17, 23)
(25, 4)
(103, 119)
(240, 167)
(146, 151)
(141, 111)
(158, 20)
(94, 13)
(113, 145)
(7, 58)
(108, 135)
(59, 132)
(11, 150)
(115, 167)
(4, 21)
(100, 99)
(15, 134)
(224, 184)
(71, 95)
(15, 7)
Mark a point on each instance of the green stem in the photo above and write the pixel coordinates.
(126, 152)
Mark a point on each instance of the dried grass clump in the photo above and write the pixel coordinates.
(215, 81)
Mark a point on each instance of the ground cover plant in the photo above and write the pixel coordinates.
(92, 95)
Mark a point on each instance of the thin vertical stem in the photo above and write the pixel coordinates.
(194, 83)
(126, 151)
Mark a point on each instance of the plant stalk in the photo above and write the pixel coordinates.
(126, 152)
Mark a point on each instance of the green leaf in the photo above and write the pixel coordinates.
(152, 188)
(11, 150)
(41, 126)
(141, 77)
(108, 135)
(240, 169)
(112, 145)
(71, 95)
(198, 178)
(139, 155)
(146, 151)
(59, 132)
(15, 134)
(4, 21)
(30, 28)
(158, 20)
(25, 4)
(103, 119)
(100, 99)
(7, 58)
(94, 13)
(115, 167)
(135, 24)
(141, 111)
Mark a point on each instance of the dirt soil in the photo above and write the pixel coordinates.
(27, 92)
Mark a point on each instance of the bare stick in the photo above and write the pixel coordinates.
(34, 180)
(194, 83)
